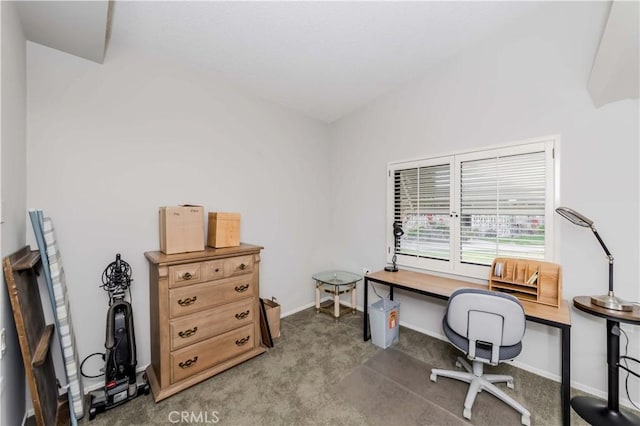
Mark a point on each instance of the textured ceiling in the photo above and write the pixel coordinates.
(324, 59)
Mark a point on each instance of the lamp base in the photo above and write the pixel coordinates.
(598, 413)
(609, 301)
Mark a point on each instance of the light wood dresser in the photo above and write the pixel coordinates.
(205, 315)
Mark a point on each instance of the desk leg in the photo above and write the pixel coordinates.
(365, 321)
(566, 375)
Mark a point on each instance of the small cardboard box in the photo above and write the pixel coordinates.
(224, 230)
(181, 229)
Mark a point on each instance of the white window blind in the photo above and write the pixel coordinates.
(459, 212)
(422, 208)
(502, 208)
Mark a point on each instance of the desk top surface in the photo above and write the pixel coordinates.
(443, 287)
(584, 304)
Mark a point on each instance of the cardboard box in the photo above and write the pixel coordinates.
(224, 230)
(181, 229)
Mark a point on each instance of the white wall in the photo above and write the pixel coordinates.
(13, 198)
(108, 144)
(527, 82)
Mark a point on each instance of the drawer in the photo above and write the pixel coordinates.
(198, 357)
(185, 274)
(203, 325)
(238, 266)
(213, 270)
(198, 297)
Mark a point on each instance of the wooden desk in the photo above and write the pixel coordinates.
(441, 288)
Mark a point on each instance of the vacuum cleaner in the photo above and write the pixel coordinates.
(121, 382)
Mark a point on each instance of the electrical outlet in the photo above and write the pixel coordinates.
(366, 271)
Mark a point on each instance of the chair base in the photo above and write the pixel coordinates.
(479, 382)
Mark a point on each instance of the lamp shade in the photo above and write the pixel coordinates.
(574, 217)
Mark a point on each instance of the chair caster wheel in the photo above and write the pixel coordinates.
(466, 413)
(526, 420)
(434, 377)
(510, 384)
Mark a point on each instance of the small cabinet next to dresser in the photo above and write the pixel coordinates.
(205, 318)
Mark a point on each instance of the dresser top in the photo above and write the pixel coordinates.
(158, 257)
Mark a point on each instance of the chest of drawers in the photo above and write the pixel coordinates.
(204, 311)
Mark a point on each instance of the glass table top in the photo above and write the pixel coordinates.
(337, 277)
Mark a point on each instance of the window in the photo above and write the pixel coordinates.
(459, 212)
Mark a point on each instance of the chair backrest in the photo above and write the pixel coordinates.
(486, 317)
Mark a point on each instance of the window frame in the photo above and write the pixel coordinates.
(454, 265)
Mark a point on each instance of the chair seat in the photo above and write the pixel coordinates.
(505, 352)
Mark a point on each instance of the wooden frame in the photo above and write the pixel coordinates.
(34, 336)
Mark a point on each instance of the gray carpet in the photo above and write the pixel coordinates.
(323, 373)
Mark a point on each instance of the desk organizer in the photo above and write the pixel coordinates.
(531, 280)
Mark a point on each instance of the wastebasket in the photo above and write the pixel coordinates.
(384, 322)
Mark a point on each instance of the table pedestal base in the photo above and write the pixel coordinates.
(598, 413)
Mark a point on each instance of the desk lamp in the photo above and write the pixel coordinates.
(609, 300)
(397, 233)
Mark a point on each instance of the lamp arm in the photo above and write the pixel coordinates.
(606, 250)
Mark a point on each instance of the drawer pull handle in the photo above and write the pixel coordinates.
(187, 276)
(188, 301)
(242, 288)
(217, 270)
(188, 333)
(242, 266)
(242, 315)
(188, 363)
(242, 341)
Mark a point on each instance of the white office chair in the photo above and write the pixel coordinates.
(488, 326)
